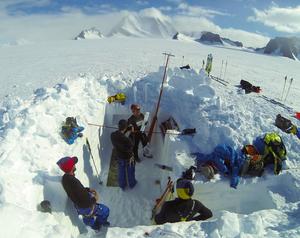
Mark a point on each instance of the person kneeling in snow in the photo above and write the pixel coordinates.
(124, 150)
(84, 199)
(272, 150)
(70, 130)
(183, 208)
(225, 159)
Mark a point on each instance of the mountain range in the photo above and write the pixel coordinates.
(151, 23)
(284, 46)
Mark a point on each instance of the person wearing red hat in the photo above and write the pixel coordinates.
(84, 199)
(183, 208)
(136, 121)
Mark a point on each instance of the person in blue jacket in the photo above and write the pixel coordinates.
(225, 159)
(71, 131)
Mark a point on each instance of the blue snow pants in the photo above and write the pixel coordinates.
(126, 173)
(99, 215)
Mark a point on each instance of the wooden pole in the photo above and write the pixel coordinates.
(154, 118)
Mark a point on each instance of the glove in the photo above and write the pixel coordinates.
(131, 161)
(94, 193)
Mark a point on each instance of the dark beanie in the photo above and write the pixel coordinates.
(122, 124)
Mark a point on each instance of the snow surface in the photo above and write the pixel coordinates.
(74, 78)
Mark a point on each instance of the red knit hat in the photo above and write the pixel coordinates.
(66, 164)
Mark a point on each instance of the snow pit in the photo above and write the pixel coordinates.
(37, 123)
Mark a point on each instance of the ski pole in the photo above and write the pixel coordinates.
(182, 60)
(288, 89)
(225, 69)
(221, 70)
(89, 148)
(285, 78)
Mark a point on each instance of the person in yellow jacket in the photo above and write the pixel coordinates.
(272, 149)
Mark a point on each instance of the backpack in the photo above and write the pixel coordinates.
(119, 97)
(254, 163)
(284, 124)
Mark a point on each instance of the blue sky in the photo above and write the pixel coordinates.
(262, 17)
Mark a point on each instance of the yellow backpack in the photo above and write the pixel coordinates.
(119, 97)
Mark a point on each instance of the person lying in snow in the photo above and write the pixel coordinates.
(70, 130)
(183, 208)
(269, 149)
(137, 136)
(84, 199)
(225, 160)
(124, 150)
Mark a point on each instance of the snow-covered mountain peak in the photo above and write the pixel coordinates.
(90, 34)
(153, 13)
(147, 23)
(284, 46)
